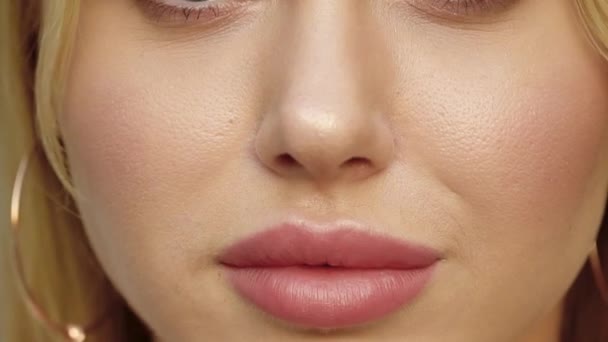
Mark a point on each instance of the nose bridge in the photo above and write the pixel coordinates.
(323, 67)
(325, 120)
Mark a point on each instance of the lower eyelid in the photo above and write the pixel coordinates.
(445, 12)
(476, 20)
(166, 12)
(462, 10)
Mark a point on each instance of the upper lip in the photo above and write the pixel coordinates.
(344, 245)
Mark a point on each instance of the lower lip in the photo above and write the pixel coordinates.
(325, 297)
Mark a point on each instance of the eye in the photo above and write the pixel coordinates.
(468, 6)
(462, 9)
(189, 10)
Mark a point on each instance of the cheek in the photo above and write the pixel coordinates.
(143, 128)
(149, 143)
(526, 147)
(531, 164)
(518, 137)
(521, 143)
(157, 119)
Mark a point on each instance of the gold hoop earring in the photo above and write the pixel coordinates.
(70, 332)
(598, 274)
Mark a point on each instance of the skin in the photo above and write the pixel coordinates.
(480, 135)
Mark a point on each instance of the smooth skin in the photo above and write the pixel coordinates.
(481, 134)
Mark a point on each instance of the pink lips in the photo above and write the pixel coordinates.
(327, 279)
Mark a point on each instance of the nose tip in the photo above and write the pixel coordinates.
(324, 118)
(323, 147)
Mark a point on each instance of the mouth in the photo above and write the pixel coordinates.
(334, 277)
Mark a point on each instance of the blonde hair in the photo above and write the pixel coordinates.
(35, 43)
(36, 38)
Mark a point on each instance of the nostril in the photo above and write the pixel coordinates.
(356, 162)
(355, 165)
(286, 160)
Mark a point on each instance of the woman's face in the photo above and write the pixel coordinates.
(475, 128)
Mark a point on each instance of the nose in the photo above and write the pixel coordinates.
(327, 121)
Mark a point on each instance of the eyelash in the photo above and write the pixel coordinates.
(466, 7)
(189, 10)
(213, 9)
